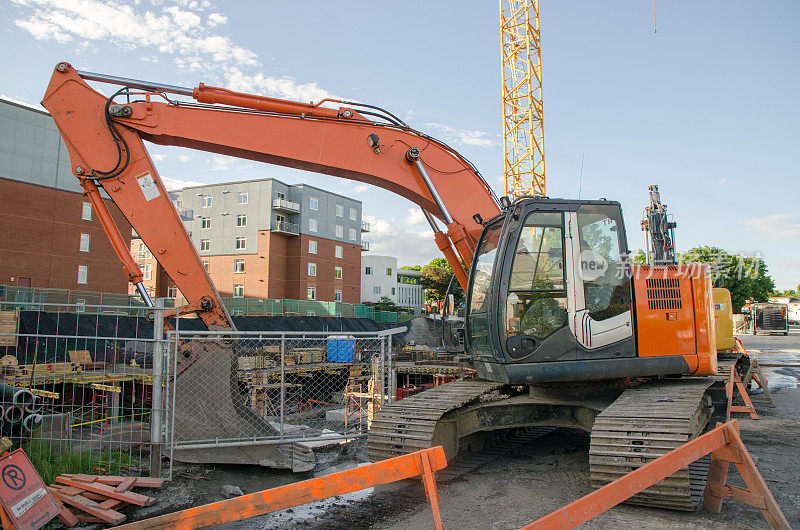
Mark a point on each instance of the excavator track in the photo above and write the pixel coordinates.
(409, 425)
(645, 423)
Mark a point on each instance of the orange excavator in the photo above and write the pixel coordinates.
(560, 328)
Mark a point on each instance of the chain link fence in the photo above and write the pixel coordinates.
(271, 398)
(76, 390)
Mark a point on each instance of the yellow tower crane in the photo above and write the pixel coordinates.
(523, 132)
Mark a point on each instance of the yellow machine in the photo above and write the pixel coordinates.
(723, 317)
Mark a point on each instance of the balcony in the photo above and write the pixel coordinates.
(286, 228)
(364, 246)
(285, 205)
(364, 226)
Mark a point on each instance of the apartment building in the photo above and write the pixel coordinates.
(267, 239)
(49, 235)
(380, 276)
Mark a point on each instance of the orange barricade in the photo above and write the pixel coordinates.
(725, 446)
(422, 463)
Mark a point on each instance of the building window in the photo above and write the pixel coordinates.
(353, 214)
(313, 203)
(242, 198)
(312, 269)
(376, 289)
(205, 265)
(312, 293)
(205, 223)
(241, 243)
(388, 271)
(367, 270)
(337, 273)
(207, 201)
(238, 265)
(83, 274)
(337, 295)
(339, 231)
(312, 247)
(280, 195)
(392, 291)
(338, 251)
(144, 252)
(339, 210)
(80, 305)
(241, 220)
(86, 214)
(147, 271)
(312, 225)
(352, 234)
(205, 244)
(238, 291)
(84, 243)
(172, 292)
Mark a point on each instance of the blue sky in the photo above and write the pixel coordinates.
(707, 107)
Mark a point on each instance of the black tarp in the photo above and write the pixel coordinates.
(113, 338)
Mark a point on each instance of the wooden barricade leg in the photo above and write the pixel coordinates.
(756, 494)
(756, 374)
(429, 482)
(735, 382)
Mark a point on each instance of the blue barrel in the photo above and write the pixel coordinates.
(341, 349)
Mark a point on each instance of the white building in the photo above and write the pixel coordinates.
(381, 277)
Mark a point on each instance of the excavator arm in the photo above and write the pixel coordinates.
(105, 139)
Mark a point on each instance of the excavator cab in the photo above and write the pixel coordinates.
(550, 283)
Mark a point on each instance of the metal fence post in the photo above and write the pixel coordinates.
(392, 377)
(156, 442)
(283, 386)
(382, 370)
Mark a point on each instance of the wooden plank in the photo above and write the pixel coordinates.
(65, 516)
(126, 484)
(92, 508)
(80, 356)
(108, 491)
(111, 480)
(303, 492)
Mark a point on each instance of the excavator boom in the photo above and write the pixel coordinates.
(105, 139)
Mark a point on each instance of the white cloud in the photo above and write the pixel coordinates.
(778, 226)
(415, 217)
(387, 237)
(284, 87)
(184, 158)
(176, 184)
(158, 157)
(464, 136)
(360, 188)
(226, 163)
(149, 59)
(215, 19)
(720, 182)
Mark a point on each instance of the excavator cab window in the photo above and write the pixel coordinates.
(536, 303)
(480, 290)
(604, 265)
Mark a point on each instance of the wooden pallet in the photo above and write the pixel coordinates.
(9, 327)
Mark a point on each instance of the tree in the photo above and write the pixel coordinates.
(411, 267)
(640, 258)
(386, 304)
(747, 278)
(435, 279)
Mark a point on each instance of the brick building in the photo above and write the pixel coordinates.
(49, 236)
(266, 239)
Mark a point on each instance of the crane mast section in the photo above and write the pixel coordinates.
(523, 129)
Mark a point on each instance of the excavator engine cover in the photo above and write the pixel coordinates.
(675, 314)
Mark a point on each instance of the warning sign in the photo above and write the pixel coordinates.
(25, 498)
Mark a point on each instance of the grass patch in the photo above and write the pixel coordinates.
(50, 461)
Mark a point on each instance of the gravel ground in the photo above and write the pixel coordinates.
(527, 478)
